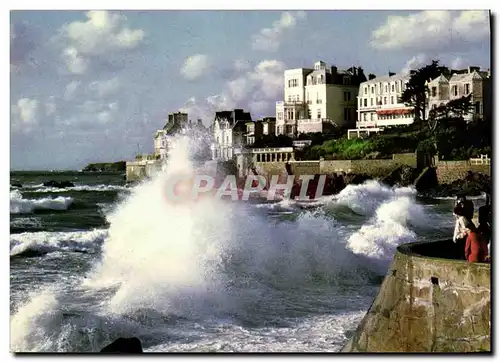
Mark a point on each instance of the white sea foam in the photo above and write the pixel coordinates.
(90, 188)
(212, 259)
(20, 205)
(46, 242)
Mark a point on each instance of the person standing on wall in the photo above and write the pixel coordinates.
(476, 249)
(484, 220)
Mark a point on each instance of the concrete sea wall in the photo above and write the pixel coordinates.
(449, 171)
(428, 304)
(373, 168)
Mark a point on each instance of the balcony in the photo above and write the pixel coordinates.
(290, 104)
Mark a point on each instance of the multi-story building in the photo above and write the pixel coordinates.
(471, 81)
(161, 144)
(317, 100)
(262, 127)
(229, 129)
(379, 105)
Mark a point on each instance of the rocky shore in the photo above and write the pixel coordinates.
(425, 182)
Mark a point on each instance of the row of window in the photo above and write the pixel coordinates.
(296, 98)
(348, 115)
(385, 116)
(380, 88)
(363, 102)
(346, 80)
(454, 91)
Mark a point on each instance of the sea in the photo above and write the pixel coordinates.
(101, 260)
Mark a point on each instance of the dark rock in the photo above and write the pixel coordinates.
(59, 184)
(427, 180)
(401, 176)
(474, 184)
(16, 185)
(124, 345)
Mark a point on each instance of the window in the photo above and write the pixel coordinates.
(366, 90)
(397, 86)
(347, 96)
(365, 102)
(454, 90)
(364, 117)
(392, 87)
(346, 80)
(347, 114)
(467, 88)
(321, 79)
(290, 99)
(292, 83)
(371, 101)
(385, 100)
(433, 91)
(227, 139)
(371, 116)
(477, 107)
(319, 113)
(392, 99)
(385, 88)
(373, 90)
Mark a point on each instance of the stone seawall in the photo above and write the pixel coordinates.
(449, 171)
(373, 168)
(428, 304)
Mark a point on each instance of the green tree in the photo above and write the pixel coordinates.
(416, 92)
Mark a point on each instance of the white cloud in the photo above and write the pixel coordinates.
(256, 91)
(25, 115)
(104, 88)
(269, 39)
(102, 33)
(432, 30)
(416, 62)
(92, 112)
(71, 89)
(196, 66)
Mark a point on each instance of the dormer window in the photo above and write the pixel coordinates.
(346, 80)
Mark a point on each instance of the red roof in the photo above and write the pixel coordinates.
(395, 111)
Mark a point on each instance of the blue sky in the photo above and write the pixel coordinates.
(94, 86)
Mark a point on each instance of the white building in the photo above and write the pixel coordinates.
(229, 129)
(379, 105)
(317, 100)
(160, 142)
(471, 81)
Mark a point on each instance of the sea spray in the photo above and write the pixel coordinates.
(156, 248)
(192, 271)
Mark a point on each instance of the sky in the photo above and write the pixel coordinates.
(93, 86)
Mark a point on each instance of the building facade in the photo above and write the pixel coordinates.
(230, 129)
(379, 105)
(471, 81)
(160, 144)
(317, 100)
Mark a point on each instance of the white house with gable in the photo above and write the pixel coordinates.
(229, 129)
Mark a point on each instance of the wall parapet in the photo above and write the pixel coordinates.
(428, 304)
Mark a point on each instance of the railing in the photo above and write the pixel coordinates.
(483, 160)
(271, 150)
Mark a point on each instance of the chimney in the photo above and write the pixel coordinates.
(371, 76)
(334, 69)
(473, 68)
(391, 74)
